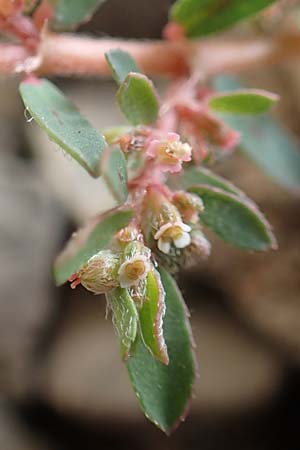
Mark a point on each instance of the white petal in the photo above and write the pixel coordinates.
(162, 229)
(164, 246)
(124, 282)
(183, 241)
(185, 227)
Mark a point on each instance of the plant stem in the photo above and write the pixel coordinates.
(72, 55)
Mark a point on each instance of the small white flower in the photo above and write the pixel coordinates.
(133, 270)
(177, 233)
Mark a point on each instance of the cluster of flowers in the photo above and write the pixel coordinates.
(166, 226)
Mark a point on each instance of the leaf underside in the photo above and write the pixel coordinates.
(164, 391)
(125, 318)
(246, 101)
(267, 142)
(114, 172)
(63, 123)
(69, 13)
(121, 64)
(201, 17)
(201, 175)
(137, 99)
(151, 317)
(235, 219)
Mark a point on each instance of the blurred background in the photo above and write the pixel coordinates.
(62, 385)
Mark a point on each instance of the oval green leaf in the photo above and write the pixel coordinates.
(201, 17)
(266, 141)
(125, 318)
(114, 172)
(138, 100)
(69, 13)
(88, 241)
(235, 219)
(164, 391)
(200, 175)
(151, 317)
(121, 64)
(246, 101)
(63, 123)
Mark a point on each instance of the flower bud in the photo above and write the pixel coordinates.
(127, 235)
(162, 223)
(189, 205)
(99, 274)
(199, 248)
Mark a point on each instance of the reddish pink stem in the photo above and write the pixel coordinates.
(10, 57)
(71, 55)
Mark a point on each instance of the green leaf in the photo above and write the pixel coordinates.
(200, 175)
(246, 101)
(164, 391)
(235, 219)
(114, 172)
(63, 123)
(137, 99)
(151, 318)
(121, 64)
(201, 17)
(88, 241)
(69, 13)
(267, 142)
(125, 318)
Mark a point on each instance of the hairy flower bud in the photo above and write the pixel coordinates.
(189, 205)
(199, 248)
(162, 222)
(99, 274)
(127, 235)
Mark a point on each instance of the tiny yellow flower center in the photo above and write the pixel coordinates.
(167, 155)
(172, 233)
(135, 270)
(173, 152)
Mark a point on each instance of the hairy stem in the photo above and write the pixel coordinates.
(71, 55)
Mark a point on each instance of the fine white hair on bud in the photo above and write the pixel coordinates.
(189, 206)
(99, 274)
(198, 249)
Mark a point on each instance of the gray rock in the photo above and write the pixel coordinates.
(30, 225)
